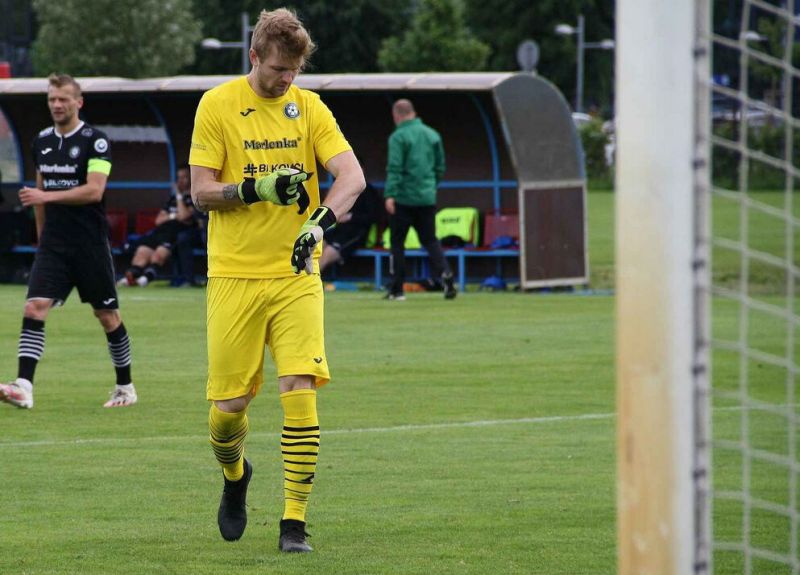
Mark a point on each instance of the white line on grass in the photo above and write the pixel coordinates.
(392, 429)
(396, 428)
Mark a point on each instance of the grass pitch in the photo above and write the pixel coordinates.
(466, 437)
(471, 436)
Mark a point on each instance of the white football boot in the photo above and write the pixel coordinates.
(122, 396)
(19, 393)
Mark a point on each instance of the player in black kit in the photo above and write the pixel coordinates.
(72, 161)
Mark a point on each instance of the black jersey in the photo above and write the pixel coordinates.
(63, 162)
(171, 205)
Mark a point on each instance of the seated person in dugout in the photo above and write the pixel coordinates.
(353, 228)
(155, 247)
(183, 252)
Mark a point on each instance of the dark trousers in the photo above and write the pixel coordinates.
(423, 218)
(183, 260)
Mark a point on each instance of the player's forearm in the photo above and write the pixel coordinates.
(214, 195)
(345, 191)
(77, 196)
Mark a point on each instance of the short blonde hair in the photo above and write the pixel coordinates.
(61, 80)
(282, 29)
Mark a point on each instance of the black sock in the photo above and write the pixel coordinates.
(151, 272)
(31, 347)
(119, 346)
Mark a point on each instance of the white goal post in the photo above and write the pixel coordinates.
(708, 260)
(661, 358)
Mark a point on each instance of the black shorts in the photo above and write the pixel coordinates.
(164, 235)
(346, 239)
(57, 269)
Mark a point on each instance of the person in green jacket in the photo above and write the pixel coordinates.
(415, 168)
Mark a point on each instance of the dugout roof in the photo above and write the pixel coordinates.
(510, 143)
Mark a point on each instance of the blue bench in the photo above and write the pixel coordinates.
(115, 251)
(378, 255)
(32, 250)
(461, 255)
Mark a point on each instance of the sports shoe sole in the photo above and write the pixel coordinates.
(22, 404)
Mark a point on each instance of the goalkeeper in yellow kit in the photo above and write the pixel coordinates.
(256, 142)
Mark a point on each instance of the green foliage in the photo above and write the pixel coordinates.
(594, 140)
(438, 40)
(347, 34)
(130, 38)
(503, 25)
(365, 24)
(765, 79)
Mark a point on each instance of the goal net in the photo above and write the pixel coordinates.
(708, 244)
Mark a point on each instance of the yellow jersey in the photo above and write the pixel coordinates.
(242, 135)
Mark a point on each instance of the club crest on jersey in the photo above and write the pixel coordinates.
(74, 152)
(291, 111)
(100, 145)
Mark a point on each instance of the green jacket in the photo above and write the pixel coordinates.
(416, 164)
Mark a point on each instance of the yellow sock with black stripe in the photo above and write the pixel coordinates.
(299, 447)
(227, 434)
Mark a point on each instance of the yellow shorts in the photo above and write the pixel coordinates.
(245, 315)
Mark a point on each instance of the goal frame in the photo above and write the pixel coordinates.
(662, 278)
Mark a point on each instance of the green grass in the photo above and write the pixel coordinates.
(601, 238)
(455, 440)
(467, 437)
(765, 233)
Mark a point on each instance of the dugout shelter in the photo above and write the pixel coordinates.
(511, 148)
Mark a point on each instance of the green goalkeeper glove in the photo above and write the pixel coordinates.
(283, 187)
(310, 235)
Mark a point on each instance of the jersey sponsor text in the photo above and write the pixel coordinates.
(57, 169)
(269, 144)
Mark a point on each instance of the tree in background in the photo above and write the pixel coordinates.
(348, 34)
(438, 40)
(129, 38)
(766, 83)
(504, 24)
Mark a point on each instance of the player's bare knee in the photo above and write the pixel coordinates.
(234, 405)
(293, 382)
(109, 319)
(142, 256)
(37, 308)
(159, 257)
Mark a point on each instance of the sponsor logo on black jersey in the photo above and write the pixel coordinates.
(49, 184)
(57, 169)
(87, 132)
(269, 144)
(247, 112)
(291, 111)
